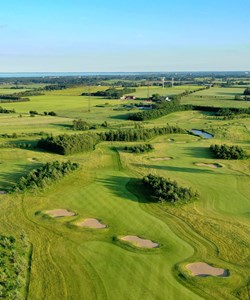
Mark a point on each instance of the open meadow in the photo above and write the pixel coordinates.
(68, 260)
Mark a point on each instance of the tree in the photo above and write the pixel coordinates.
(247, 92)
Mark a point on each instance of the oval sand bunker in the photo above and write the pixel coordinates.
(56, 213)
(203, 269)
(160, 158)
(32, 159)
(91, 223)
(142, 243)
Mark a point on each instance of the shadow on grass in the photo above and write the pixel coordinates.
(130, 188)
(198, 152)
(121, 117)
(175, 169)
(9, 179)
(67, 126)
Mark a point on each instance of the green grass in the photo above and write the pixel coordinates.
(75, 263)
(215, 96)
(167, 91)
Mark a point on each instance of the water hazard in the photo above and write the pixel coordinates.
(201, 133)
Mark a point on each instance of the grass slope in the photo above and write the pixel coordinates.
(69, 262)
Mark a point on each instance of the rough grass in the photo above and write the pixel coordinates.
(78, 263)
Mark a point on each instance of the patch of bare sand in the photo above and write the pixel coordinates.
(3, 192)
(91, 223)
(160, 158)
(213, 166)
(56, 213)
(31, 159)
(142, 243)
(181, 142)
(203, 269)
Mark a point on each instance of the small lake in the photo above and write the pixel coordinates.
(204, 134)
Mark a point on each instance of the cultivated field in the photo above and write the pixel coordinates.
(70, 261)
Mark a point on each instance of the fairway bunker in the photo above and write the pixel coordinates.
(139, 242)
(160, 158)
(32, 159)
(203, 269)
(2, 192)
(213, 166)
(91, 223)
(56, 213)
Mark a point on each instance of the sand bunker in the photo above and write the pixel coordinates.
(3, 192)
(203, 269)
(181, 142)
(92, 223)
(56, 213)
(31, 159)
(160, 158)
(135, 240)
(213, 166)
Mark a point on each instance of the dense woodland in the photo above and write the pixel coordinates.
(142, 148)
(228, 152)
(166, 190)
(69, 144)
(13, 266)
(44, 176)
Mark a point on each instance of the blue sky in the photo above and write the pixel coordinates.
(109, 35)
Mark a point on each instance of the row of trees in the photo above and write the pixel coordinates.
(50, 113)
(111, 93)
(142, 148)
(166, 190)
(45, 175)
(165, 108)
(134, 135)
(69, 144)
(228, 152)
(162, 109)
(6, 111)
(12, 98)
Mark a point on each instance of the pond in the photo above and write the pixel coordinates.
(204, 134)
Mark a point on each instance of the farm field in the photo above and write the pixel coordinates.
(73, 262)
(216, 96)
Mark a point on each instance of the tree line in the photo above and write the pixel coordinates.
(166, 108)
(228, 152)
(139, 148)
(12, 98)
(6, 111)
(163, 189)
(162, 109)
(111, 93)
(44, 176)
(69, 144)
